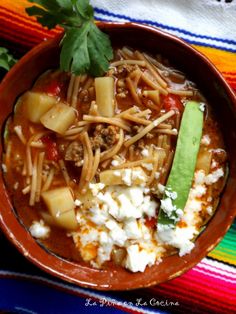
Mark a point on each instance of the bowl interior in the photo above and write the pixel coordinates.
(218, 94)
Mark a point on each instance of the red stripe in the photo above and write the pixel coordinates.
(229, 73)
(232, 80)
(22, 29)
(188, 299)
(178, 288)
(190, 296)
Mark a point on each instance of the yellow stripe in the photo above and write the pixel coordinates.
(223, 257)
(223, 60)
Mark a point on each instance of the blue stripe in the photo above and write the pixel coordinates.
(193, 42)
(172, 28)
(28, 297)
(88, 301)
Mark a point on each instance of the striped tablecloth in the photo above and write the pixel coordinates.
(210, 287)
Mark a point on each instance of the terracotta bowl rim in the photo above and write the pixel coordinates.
(47, 265)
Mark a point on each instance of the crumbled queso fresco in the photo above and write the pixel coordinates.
(116, 219)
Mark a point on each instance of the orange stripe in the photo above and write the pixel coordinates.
(25, 23)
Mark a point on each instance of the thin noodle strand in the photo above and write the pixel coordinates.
(49, 180)
(39, 176)
(115, 149)
(149, 127)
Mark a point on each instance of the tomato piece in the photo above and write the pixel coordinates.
(150, 222)
(172, 102)
(51, 148)
(53, 88)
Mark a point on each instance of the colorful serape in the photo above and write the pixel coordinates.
(210, 287)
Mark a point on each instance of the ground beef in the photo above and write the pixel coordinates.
(104, 136)
(74, 152)
(125, 69)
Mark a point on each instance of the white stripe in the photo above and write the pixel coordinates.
(86, 293)
(204, 41)
(196, 16)
(197, 269)
(227, 269)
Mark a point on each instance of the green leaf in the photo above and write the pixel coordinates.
(99, 51)
(184, 163)
(6, 59)
(84, 9)
(85, 49)
(74, 53)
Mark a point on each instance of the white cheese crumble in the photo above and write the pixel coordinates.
(145, 152)
(127, 137)
(209, 210)
(127, 176)
(214, 164)
(77, 202)
(138, 260)
(161, 188)
(117, 234)
(96, 187)
(16, 185)
(202, 106)
(115, 163)
(178, 237)
(130, 175)
(171, 210)
(206, 140)
(4, 168)
(97, 215)
(39, 230)
(89, 236)
(214, 176)
(132, 229)
(199, 177)
(171, 194)
(198, 191)
(147, 166)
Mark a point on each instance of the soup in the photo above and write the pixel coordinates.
(87, 160)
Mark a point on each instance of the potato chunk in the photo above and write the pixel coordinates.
(61, 206)
(104, 88)
(134, 176)
(37, 104)
(58, 118)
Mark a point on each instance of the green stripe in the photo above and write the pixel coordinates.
(226, 249)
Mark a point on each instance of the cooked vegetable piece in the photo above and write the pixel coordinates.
(204, 160)
(37, 104)
(184, 163)
(123, 176)
(58, 118)
(60, 204)
(172, 102)
(104, 87)
(51, 148)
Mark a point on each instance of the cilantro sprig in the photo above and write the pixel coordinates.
(6, 59)
(85, 48)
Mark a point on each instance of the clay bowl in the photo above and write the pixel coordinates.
(198, 69)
